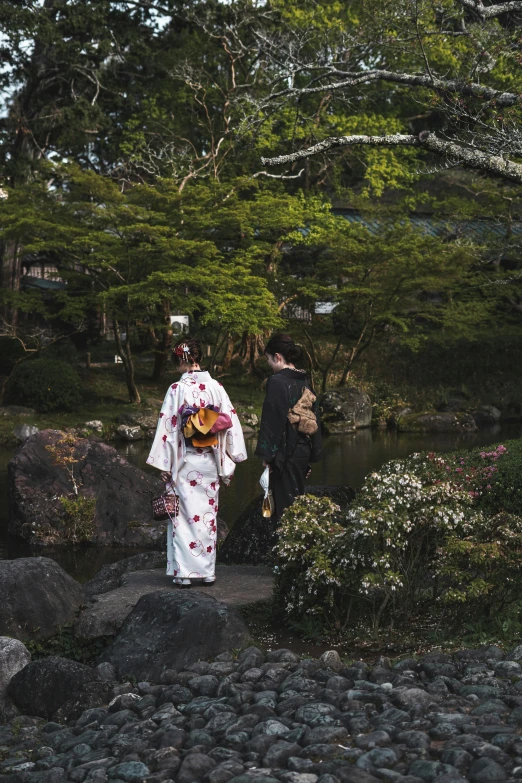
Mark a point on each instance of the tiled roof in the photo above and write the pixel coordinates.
(476, 229)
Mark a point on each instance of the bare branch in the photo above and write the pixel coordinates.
(467, 157)
(277, 176)
(471, 89)
(491, 11)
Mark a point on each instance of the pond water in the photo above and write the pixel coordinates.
(347, 459)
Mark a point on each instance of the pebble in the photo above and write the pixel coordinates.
(277, 719)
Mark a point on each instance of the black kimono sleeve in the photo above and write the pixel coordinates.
(273, 419)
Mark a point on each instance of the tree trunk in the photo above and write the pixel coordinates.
(124, 351)
(11, 255)
(356, 351)
(326, 371)
(161, 354)
(215, 350)
(229, 352)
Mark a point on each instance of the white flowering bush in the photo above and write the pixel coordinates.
(421, 533)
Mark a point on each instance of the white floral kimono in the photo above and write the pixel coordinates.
(196, 473)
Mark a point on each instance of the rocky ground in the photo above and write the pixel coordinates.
(274, 718)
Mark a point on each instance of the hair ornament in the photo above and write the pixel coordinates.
(182, 350)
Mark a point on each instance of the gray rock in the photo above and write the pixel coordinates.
(206, 685)
(332, 660)
(458, 758)
(342, 407)
(255, 776)
(24, 431)
(376, 758)
(16, 410)
(147, 420)
(124, 432)
(516, 654)
(96, 425)
(110, 576)
(431, 770)
(487, 771)
(324, 734)
(224, 772)
(130, 771)
(43, 686)
(413, 697)
(375, 739)
(106, 672)
(278, 754)
(14, 656)
(508, 669)
(38, 597)
(437, 422)
(416, 740)
(123, 493)
(169, 630)
(194, 767)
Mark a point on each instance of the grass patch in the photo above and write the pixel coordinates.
(65, 644)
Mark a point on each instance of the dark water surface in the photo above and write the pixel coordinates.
(347, 459)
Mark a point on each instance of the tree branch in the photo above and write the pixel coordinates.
(470, 89)
(491, 11)
(468, 157)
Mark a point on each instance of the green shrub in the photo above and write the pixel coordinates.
(79, 513)
(432, 533)
(45, 385)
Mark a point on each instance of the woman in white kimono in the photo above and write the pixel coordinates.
(198, 442)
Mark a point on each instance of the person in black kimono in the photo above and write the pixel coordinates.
(286, 451)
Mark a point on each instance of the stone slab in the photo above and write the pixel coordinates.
(235, 585)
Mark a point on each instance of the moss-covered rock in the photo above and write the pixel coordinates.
(436, 422)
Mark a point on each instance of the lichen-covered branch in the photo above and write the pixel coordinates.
(491, 11)
(441, 86)
(464, 156)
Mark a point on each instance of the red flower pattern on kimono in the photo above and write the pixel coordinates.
(192, 545)
(202, 387)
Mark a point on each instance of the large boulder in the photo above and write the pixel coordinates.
(252, 537)
(486, 416)
(343, 410)
(123, 493)
(37, 597)
(45, 686)
(13, 657)
(437, 422)
(106, 615)
(172, 629)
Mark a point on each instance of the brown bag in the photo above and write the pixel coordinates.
(301, 416)
(165, 506)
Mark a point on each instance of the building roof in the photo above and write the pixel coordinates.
(476, 229)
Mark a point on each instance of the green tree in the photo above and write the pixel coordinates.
(394, 283)
(149, 251)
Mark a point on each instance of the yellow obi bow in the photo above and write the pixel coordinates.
(198, 427)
